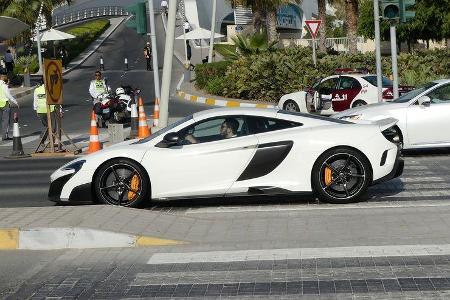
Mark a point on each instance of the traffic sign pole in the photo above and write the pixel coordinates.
(394, 59)
(313, 27)
(376, 13)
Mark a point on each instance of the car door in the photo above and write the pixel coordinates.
(346, 91)
(267, 168)
(324, 93)
(204, 162)
(430, 124)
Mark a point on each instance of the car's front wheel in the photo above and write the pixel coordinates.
(122, 182)
(290, 105)
(359, 103)
(341, 175)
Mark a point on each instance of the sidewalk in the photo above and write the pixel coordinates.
(187, 91)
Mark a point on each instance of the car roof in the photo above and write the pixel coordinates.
(266, 112)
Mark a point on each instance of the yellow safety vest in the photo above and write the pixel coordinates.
(100, 86)
(42, 100)
(3, 99)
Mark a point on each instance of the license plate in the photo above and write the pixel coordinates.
(106, 110)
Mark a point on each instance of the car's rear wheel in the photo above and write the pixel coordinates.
(121, 182)
(341, 175)
(359, 103)
(290, 105)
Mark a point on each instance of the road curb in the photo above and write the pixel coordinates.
(75, 238)
(24, 93)
(218, 102)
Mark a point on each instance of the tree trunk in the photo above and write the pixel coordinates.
(257, 18)
(322, 7)
(271, 20)
(351, 8)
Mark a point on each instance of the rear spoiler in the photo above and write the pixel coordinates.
(382, 123)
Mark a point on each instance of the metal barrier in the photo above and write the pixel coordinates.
(87, 13)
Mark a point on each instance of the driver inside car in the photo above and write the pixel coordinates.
(228, 129)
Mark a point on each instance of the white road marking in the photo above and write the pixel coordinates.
(25, 140)
(299, 253)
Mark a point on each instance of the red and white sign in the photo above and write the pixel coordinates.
(313, 27)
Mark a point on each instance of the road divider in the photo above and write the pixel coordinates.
(218, 102)
(75, 238)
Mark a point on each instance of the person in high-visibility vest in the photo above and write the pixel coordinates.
(97, 86)
(5, 108)
(40, 106)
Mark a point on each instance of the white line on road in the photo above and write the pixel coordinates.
(299, 253)
(25, 140)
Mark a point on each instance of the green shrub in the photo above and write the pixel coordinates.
(24, 62)
(85, 34)
(206, 72)
(269, 75)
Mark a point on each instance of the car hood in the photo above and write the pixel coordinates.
(372, 109)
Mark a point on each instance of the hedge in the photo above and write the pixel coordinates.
(268, 76)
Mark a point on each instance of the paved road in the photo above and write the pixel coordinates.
(124, 42)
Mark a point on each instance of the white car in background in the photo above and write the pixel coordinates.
(336, 93)
(264, 151)
(423, 115)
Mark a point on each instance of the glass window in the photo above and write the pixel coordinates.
(214, 129)
(372, 79)
(346, 83)
(164, 130)
(440, 95)
(327, 86)
(414, 93)
(261, 124)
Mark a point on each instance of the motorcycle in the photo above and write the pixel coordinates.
(126, 96)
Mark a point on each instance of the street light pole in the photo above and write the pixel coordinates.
(38, 39)
(154, 49)
(376, 14)
(213, 29)
(167, 68)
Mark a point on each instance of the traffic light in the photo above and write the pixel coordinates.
(390, 9)
(407, 11)
(139, 20)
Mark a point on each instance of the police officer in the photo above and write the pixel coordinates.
(5, 109)
(148, 56)
(97, 86)
(40, 106)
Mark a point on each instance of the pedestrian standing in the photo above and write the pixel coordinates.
(63, 56)
(9, 63)
(5, 108)
(164, 7)
(148, 56)
(40, 106)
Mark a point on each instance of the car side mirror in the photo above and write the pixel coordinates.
(424, 101)
(169, 140)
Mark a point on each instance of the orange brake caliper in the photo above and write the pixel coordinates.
(328, 177)
(134, 186)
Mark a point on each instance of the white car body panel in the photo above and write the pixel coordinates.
(213, 168)
(421, 126)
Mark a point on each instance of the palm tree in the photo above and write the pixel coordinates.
(322, 8)
(27, 10)
(352, 11)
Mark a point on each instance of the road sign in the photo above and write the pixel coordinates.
(53, 81)
(313, 27)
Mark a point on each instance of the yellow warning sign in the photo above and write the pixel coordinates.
(53, 81)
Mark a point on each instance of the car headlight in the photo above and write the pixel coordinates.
(351, 117)
(75, 166)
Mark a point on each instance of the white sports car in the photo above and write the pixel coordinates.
(240, 151)
(423, 114)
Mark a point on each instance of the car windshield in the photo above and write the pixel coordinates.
(372, 79)
(414, 93)
(164, 130)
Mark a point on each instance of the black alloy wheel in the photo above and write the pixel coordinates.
(341, 176)
(121, 182)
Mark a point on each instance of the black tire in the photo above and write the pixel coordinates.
(290, 105)
(122, 182)
(349, 175)
(359, 103)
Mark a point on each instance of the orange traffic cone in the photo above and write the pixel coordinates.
(94, 143)
(156, 113)
(143, 130)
